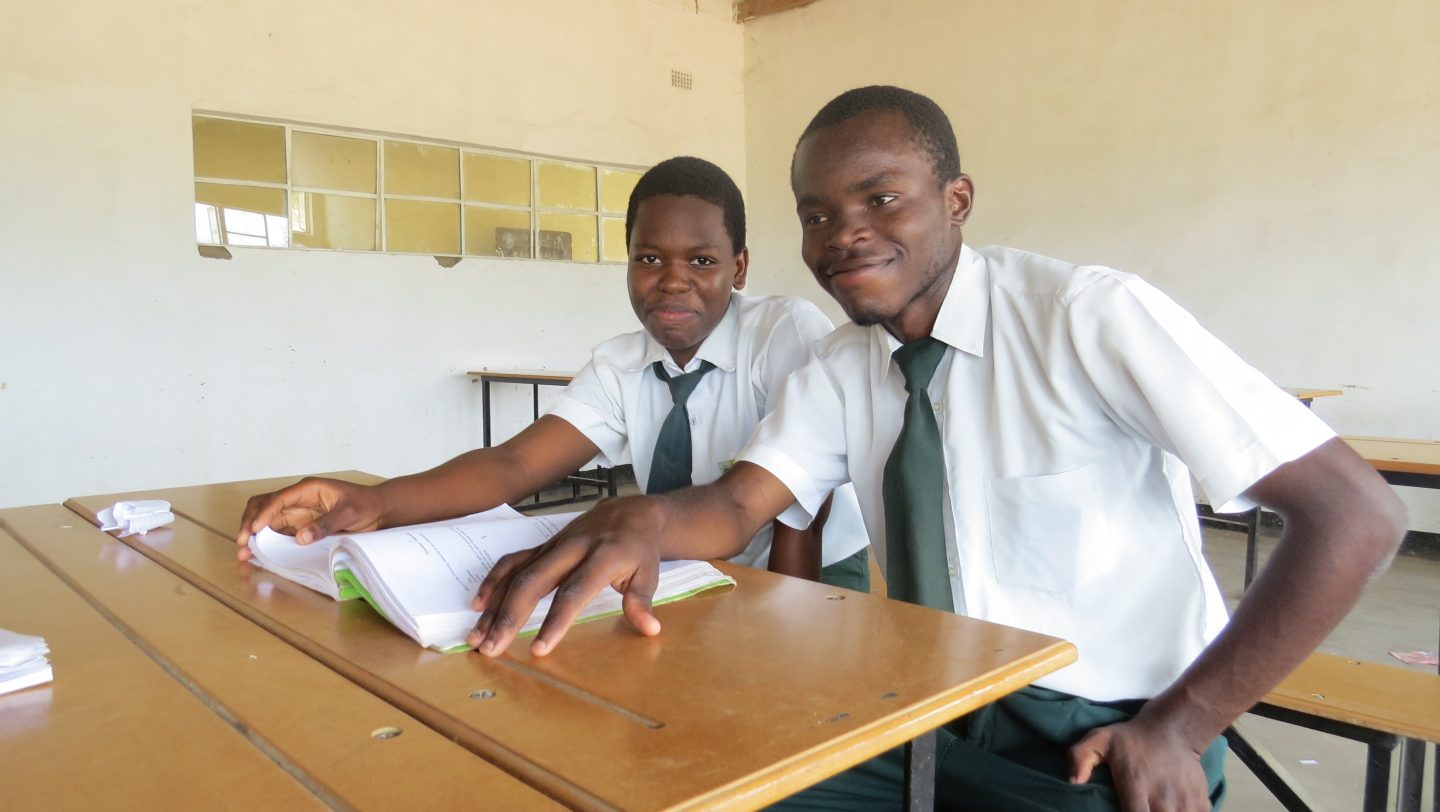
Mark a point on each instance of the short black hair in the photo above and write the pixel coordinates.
(933, 132)
(696, 177)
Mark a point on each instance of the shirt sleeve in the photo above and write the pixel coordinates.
(788, 348)
(1166, 379)
(591, 403)
(802, 441)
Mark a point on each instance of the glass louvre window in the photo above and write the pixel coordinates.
(273, 185)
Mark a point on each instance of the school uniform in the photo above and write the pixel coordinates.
(619, 403)
(1074, 403)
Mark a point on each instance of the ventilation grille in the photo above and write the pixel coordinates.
(684, 80)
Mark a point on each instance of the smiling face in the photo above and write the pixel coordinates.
(880, 232)
(683, 266)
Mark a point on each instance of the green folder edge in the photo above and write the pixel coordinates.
(351, 588)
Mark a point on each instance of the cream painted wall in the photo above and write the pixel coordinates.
(128, 362)
(1274, 166)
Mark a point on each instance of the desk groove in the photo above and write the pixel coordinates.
(213, 704)
(546, 781)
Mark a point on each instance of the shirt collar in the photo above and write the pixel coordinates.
(960, 322)
(719, 348)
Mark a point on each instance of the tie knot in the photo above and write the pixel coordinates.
(682, 385)
(917, 361)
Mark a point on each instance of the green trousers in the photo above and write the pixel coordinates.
(1010, 756)
(849, 573)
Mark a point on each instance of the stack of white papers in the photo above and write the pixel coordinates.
(137, 516)
(24, 661)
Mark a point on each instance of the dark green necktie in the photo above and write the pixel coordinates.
(914, 489)
(670, 467)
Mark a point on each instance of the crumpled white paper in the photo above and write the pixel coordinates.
(138, 516)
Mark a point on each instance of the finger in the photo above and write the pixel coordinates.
(525, 587)
(637, 597)
(244, 554)
(495, 593)
(342, 518)
(1086, 755)
(270, 510)
(499, 574)
(571, 598)
(247, 518)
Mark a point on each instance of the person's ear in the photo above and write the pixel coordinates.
(959, 199)
(742, 264)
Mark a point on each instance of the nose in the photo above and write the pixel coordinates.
(848, 229)
(674, 277)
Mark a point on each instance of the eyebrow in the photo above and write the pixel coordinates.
(703, 248)
(871, 182)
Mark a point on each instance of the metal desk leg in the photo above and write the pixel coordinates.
(1408, 794)
(920, 773)
(485, 412)
(1252, 545)
(1377, 775)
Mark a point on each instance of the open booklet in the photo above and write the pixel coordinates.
(422, 578)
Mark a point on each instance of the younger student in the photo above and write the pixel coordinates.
(678, 399)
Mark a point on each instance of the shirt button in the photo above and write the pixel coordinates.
(694, 421)
(952, 572)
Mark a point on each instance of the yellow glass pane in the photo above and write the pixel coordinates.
(422, 227)
(566, 186)
(612, 229)
(492, 179)
(244, 198)
(332, 162)
(567, 236)
(615, 188)
(238, 150)
(497, 232)
(416, 169)
(332, 221)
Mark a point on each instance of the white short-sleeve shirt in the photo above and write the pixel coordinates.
(1067, 400)
(619, 404)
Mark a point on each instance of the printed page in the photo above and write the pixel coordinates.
(436, 569)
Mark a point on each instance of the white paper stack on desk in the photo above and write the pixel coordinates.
(24, 661)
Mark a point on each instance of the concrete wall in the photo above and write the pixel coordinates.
(1274, 166)
(128, 362)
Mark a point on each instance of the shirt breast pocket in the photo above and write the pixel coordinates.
(1047, 532)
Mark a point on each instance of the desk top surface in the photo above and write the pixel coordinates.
(165, 698)
(542, 376)
(1311, 394)
(1391, 454)
(1373, 695)
(745, 697)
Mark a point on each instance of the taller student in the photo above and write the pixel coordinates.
(679, 398)
(1018, 429)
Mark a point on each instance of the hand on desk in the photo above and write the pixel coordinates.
(311, 509)
(612, 544)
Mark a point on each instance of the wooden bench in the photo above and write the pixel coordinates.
(1383, 706)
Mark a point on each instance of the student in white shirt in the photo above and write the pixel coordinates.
(1068, 402)
(685, 231)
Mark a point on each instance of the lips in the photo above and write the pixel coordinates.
(672, 314)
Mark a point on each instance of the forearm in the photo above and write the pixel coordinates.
(718, 520)
(1325, 557)
(474, 481)
(795, 552)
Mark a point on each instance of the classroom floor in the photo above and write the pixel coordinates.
(1400, 612)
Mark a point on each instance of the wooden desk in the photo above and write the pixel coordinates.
(164, 698)
(525, 377)
(748, 696)
(1305, 396)
(1412, 463)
